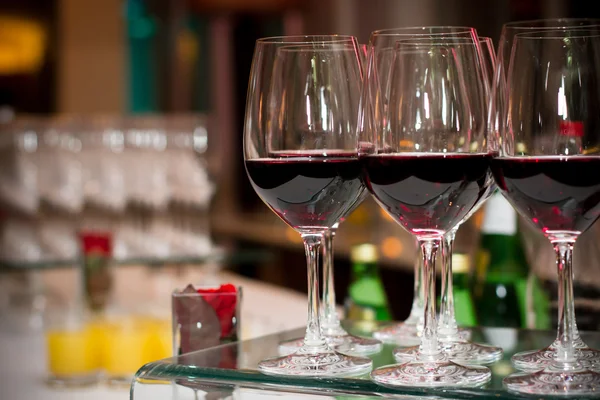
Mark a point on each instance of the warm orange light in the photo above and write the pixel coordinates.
(478, 219)
(385, 215)
(391, 247)
(292, 235)
(360, 216)
(22, 45)
(407, 144)
(188, 47)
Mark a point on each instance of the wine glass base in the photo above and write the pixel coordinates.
(459, 334)
(431, 374)
(347, 344)
(535, 360)
(409, 334)
(290, 346)
(464, 334)
(354, 345)
(321, 363)
(401, 334)
(460, 351)
(406, 354)
(556, 382)
(465, 352)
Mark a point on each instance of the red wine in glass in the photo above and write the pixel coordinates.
(427, 191)
(555, 193)
(308, 190)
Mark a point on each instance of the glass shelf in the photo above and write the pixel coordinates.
(217, 256)
(232, 366)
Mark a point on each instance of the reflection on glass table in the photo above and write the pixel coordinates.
(235, 366)
(226, 391)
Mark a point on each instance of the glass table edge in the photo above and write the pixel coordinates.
(341, 386)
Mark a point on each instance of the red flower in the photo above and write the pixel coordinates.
(224, 306)
(96, 243)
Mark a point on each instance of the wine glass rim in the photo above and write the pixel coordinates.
(306, 39)
(299, 47)
(420, 46)
(555, 34)
(429, 41)
(406, 47)
(489, 44)
(527, 25)
(436, 40)
(450, 30)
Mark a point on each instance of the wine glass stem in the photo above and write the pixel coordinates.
(429, 345)
(312, 337)
(447, 328)
(330, 318)
(565, 353)
(416, 310)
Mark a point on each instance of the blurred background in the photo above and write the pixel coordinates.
(125, 116)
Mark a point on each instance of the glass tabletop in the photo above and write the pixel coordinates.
(234, 365)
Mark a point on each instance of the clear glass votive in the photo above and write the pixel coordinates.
(205, 316)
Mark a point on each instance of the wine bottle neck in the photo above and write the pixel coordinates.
(363, 269)
(499, 218)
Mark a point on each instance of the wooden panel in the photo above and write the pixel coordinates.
(244, 5)
(91, 56)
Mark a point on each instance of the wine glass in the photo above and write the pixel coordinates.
(331, 327)
(427, 167)
(454, 344)
(456, 347)
(301, 158)
(547, 170)
(381, 46)
(531, 360)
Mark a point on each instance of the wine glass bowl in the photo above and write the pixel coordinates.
(503, 54)
(546, 169)
(427, 166)
(301, 158)
(432, 175)
(330, 180)
(511, 29)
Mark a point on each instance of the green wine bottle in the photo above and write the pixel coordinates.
(501, 267)
(464, 307)
(367, 300)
